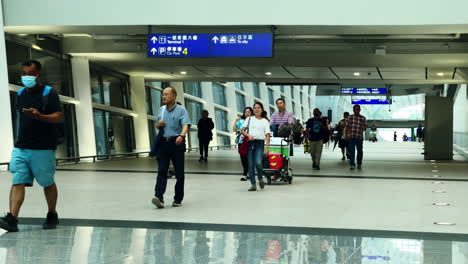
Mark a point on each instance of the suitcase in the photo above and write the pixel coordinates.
(276, 161)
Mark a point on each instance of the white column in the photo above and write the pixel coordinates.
(288, 98)
(84, 110)
(249, 98)
(137, 85)
(264, 96)
(232, 105)
(6, 126)
(179, 87)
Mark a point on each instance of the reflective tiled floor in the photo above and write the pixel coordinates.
(83, 245)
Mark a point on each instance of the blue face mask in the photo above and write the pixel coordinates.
(29, 81)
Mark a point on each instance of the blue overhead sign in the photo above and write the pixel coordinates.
(364, 91)
(370, 101)
(210, 45)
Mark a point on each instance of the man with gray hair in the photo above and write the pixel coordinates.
(174, 119)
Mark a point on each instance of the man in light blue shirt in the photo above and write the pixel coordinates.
(174, 119)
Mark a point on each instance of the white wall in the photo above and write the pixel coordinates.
(241, 12)
(6, 126)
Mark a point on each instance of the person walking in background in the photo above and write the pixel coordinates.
(33, 157)
(342, 143)
(297, 132)
(395, 136)
(257, 130)
(405, 137)
(357, 124)
(316, 131)
(237, 128)
(419, 133)
(280, 117)
(176, 123)
(205, 128)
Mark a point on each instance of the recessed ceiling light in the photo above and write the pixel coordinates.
(441, 204)
(183, 72)
(268, 73)
(356, 74)
(440, 74)
(439, 191)
(22, 34)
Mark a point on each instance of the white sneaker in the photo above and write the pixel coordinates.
(158, 203)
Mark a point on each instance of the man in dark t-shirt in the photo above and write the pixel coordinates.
(34, 154)
(316, 131)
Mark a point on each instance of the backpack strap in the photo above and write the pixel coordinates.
(45, 97)
(20, 91)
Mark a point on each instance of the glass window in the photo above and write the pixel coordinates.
(282, 88)
(240, 101)
(239, 85)
(256, 89)
(224, 140)
(193, 88)
(271, 97)
(294, 108)
(304, 114)
(194, 110)
(219, 94)
(109, 89)
(221, 120)
(153, 100)
(152, 131)
(193, 138)
(55, 72)
(113, 133)
(272, 110)
(292, 92)
(161, 85)
(16, 55)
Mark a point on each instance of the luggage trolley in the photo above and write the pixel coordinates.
(278, 163)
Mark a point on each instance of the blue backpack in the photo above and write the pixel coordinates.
(59, 129)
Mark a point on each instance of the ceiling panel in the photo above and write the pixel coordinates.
(192, 72)
(276, 71)
(440, 73)
(364, 73)
(224, 72)
(404, 75)
(312, 72)
(402, 70)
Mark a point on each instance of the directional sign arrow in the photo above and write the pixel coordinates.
(154, 39)
(154, 51)
(215, 39)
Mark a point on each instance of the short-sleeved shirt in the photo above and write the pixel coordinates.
(356, 126)
(279, 119)
(316, 126)
(257, 128)
(32, 133)
(176, 118)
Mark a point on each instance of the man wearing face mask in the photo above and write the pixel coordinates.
(34, 154)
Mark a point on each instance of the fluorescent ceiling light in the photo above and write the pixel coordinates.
(356, 74)
(36, 47)
(183, 72)
(440, 74)
(268, 73)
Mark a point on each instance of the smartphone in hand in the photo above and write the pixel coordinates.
(27, 110)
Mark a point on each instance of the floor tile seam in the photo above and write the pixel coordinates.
(294, 175)
(255, 229)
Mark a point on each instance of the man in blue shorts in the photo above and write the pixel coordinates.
(33, 157)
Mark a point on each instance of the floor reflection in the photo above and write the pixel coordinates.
(127, 245)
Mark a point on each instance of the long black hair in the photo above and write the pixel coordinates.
(264, 113)
(247, 108)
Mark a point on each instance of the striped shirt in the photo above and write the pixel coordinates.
(278, 119)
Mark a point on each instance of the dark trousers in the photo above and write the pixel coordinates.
(170, 151)
(355, 144)
(203, 145)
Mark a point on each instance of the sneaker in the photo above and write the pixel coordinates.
(343, 158)
(359, 166)
(252, 189)
(158, 203)
(201, 158)
(9, 223)
(176, 204)
(51, 221)
(317, 167)
(352, 167)
(244, 179)
(262, 184)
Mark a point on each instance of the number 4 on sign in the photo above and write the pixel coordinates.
(185, 51)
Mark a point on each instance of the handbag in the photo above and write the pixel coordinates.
(155, 147)
(244, 147)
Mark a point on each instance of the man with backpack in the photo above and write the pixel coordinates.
(34, 154)
(317, 131)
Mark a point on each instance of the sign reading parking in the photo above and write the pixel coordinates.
(211, 45)
(364, 91)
